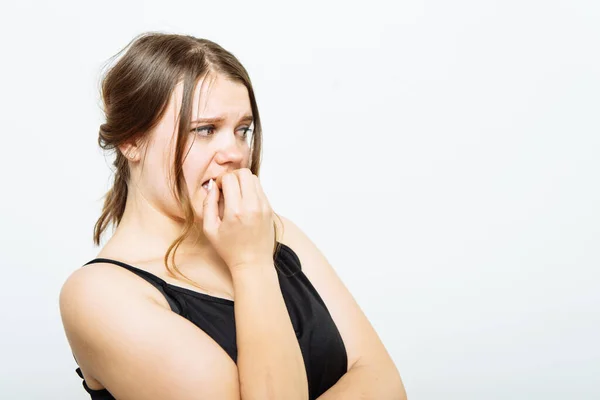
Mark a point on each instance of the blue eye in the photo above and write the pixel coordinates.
(209, 130)
(246, 131)
(204, 129)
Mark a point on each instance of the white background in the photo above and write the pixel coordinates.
(444, 155)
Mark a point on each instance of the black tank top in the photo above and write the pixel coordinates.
(320, 342)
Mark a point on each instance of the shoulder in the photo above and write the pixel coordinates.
(102, 283)
(86, 298)
(119, 336)
(285, 227)
(101, 294)
(359, 337)
(290, 234)
(314, 262)
(86, 284)
(94, 296)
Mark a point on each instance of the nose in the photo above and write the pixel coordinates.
(229, 150)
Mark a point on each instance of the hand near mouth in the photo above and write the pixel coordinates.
(244, 235)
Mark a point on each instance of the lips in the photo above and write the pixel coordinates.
(205, 184)
(214, 178)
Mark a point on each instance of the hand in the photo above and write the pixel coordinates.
(245, 235)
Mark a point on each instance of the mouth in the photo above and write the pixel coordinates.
(205, 183)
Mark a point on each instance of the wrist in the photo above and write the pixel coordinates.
(252, 270)
(250, 263)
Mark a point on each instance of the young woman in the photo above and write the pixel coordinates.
(202, 291)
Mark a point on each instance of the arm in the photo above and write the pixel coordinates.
(270, 364)
(371, 373)
(137, 348)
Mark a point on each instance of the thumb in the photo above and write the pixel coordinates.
(210, 209)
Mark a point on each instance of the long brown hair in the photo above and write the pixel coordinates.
(136, 91)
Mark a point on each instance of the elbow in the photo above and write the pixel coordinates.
(394, 390)
(399, 390)
(388, 382)
(384, 379)
(395, 386)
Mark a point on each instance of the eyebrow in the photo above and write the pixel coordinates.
(213, 120)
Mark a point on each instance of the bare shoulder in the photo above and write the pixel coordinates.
(363, 345)
(82, 295)
(93, 294)
(136, 347)
(315, 265)
(96, 281)
(313, 260)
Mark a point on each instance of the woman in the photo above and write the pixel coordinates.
(202, 291)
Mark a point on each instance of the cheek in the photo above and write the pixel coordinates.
(193, 182)
(194, 168)
(157, 189)
(156, 175)
(247, 158)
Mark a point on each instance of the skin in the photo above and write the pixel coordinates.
(230, 255)
(152, 218)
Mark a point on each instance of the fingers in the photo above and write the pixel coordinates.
(231, 195)
(210, 210)
(265, 205)
(262, 197)
(248, 188)
(242, 192)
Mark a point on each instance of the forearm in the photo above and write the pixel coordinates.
(270, 363)
(364, 382)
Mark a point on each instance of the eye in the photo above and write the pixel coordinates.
(204, 130)
(245, 132)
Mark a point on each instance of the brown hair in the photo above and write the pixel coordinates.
(136, 91)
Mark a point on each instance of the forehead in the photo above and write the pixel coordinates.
(216, 96)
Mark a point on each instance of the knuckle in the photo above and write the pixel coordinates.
(255, 211)
(208, 231)
(244, 173)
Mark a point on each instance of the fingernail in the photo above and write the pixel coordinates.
(210, 184)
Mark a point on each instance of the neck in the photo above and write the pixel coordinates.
(146, 233)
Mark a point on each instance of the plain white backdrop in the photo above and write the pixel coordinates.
(444, 155)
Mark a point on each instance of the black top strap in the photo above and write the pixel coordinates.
(157, 282)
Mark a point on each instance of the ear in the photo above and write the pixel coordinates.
(130, 150)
